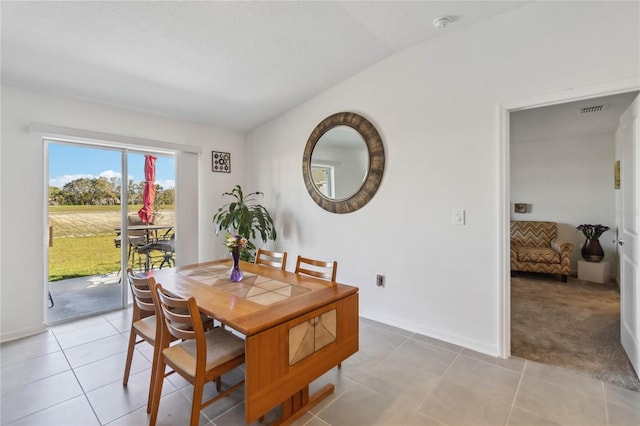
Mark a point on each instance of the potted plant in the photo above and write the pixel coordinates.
(245, 218)
(592, 250)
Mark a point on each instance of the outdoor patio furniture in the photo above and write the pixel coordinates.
(136, 237)
(161, 252)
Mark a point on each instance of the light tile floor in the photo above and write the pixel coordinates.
(72, 376)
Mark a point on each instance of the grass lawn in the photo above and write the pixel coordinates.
(83, 256)
(83, 239)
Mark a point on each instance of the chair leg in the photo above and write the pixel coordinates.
(565, 278)
(157, 353)
(127, 366)
(129, 257)
(196, 404)
(157, 391)
(51, 304)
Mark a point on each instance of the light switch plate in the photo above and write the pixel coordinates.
(458, 216)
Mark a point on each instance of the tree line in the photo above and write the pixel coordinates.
(104, 192)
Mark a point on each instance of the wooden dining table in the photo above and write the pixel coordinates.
(296, 328)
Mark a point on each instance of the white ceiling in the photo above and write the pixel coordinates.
(566, 120)
(228, 64)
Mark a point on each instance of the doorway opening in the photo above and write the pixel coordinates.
(87, 207)
(560, 163)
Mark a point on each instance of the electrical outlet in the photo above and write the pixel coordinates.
(380, 280)
(458, 216)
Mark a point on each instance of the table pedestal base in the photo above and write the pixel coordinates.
(300, 402)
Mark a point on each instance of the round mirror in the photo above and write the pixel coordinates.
(339, 163)
(343, 162)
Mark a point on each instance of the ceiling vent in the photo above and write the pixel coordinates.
(592, 108)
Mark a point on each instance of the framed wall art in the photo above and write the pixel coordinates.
(220, 162)
(520, 208)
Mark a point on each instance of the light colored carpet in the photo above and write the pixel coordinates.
(575, 325)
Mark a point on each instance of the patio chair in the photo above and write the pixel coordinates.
(136, 238)
(160, 252)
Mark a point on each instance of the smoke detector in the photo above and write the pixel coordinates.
(442, 22)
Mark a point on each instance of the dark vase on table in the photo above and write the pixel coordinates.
(592, 250)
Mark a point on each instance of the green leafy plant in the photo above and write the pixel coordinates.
(243, 216)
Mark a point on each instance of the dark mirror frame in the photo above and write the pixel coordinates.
(376, 162)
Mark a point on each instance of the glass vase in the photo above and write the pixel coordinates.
(236, 272)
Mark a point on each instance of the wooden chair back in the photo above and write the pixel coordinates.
(144, 324)
(141, 289)
(270, 258)
(181, 317)
(317, 268)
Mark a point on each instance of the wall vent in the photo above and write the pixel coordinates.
(592, 108)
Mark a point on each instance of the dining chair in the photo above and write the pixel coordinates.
(317, 268)
(271, 258)
(200, 358)
(145, 326)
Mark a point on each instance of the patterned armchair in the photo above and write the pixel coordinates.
(535, 248)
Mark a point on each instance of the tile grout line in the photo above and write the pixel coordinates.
(515, 394)
(73, 371)
(42, 378)
(212, 420)
(470, 356)
(329, 404)
(440, 379)
(606, 406)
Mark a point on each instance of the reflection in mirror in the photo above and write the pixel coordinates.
(323, 179)
(339, 162)
(343, 162)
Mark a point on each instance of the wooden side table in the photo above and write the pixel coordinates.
(597, 272)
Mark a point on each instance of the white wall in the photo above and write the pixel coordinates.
(568, 181)
(436, 108)
(23, 237)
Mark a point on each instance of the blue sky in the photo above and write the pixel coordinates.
(69, 162)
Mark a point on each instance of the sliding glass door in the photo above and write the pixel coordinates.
(90, 239)
(151, 213)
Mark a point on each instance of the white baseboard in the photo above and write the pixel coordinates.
(23, 332)
(464, 342)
